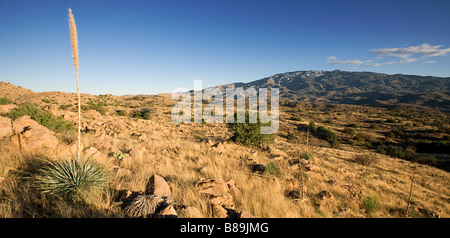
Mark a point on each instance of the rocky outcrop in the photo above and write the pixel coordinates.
(29, 135)
(220, 196)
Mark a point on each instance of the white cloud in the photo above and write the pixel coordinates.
(429, 62)
(331, 58)
(425, 50)
(409, 60)
(345, 62)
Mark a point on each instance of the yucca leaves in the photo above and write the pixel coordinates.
(70, 179)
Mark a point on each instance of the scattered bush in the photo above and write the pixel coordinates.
(371, 204)
(295, 119)
(99, 107)
(350, 131)
(141, 114)
(42, 117)
(273, 168)
(365, 159)
(312, 127)
(5, 101)
(71, 180)
(121, 113)
(46, 101)
(306, 155)
(397, 151)
(328, 135)
(249, 134)
(65, 107)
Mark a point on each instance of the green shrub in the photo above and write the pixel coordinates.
(65, 107)
(46, 101)
(306, 155)
(141, 114)
(350, 131)
(70, 180)
(312, 127)
(121, 113)
(273, 168)
(295, 118)
(397, 151)
(42, 117)
(249, 134)
(328, 135)
(5, 101)
(371, 204)
(99, 107)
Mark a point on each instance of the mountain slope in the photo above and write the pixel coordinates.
(359, 88)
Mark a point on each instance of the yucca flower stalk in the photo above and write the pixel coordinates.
(74, 42)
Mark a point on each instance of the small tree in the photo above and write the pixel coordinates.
(249, 134)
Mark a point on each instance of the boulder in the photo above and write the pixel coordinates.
(158, 186)
(5, 127)
(7, 108)
(168, 212)
(29, 135)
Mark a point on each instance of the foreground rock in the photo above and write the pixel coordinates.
(220, 196)
(29, 135)
(5, 127)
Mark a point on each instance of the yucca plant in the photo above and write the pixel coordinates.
(70, 180)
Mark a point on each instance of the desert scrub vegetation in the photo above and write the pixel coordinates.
(71, 180)
(325, 134)
(365, 159)
(249, 134)
(42, 117)
(99, 107)
(371, 205)
(5, 101)
(273, 168)
(141, 114)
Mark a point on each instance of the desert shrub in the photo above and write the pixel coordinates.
(249, 134)
(99, 107)
(329, 121)
(121, 113)
(306, 155)
(371, 204)
(5, 101)
(365, 159)
(312, 127)
(350, 131)
(397, 151)
(327, 135)
(273, 168)
(46, 101)
(70, 180)
(373, 126)
(42, 117)
(354, 125)
(295, 118)
(65, 107)
(141, 114)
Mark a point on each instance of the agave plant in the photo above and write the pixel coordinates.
(71, 179)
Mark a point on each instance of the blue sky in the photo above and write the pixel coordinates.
(148, 47)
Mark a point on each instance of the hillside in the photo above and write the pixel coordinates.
(305, 175)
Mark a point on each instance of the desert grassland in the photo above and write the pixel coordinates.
(183, 153)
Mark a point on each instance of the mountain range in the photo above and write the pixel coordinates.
(358, 88)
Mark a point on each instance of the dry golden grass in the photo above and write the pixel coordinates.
(181, 154)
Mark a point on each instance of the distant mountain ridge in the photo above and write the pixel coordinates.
(359, 88)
